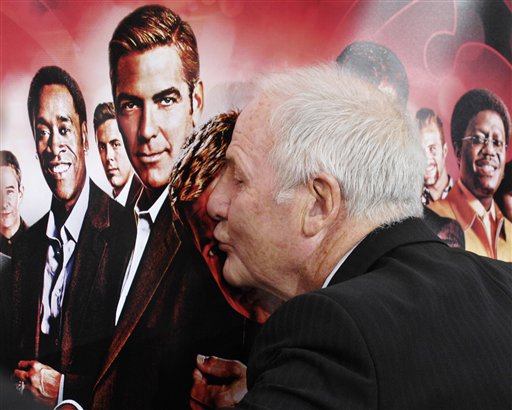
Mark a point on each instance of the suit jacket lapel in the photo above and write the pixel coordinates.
(27, 287)
(381, 241)
(89, 254)
(161, 248)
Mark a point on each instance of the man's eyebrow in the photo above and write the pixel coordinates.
(165, 93)
(41, 121)
(64, 118)
(126, 96)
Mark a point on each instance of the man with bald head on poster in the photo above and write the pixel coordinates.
(169, 307)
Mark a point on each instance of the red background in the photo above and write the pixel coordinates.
(447, 48)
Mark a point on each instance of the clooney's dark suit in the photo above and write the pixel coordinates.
(406, 323)
(87, 307)
(174, 311)
(133, 192)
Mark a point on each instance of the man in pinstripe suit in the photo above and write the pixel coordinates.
(319, 205)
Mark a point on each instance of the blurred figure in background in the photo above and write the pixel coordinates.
(437, 182)
(381, 67)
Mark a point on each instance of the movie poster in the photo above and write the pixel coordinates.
(446, 47)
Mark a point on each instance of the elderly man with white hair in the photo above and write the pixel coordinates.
(319, 205)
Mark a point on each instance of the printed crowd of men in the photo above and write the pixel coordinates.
(119, 301)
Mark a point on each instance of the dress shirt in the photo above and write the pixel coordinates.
(123, 195)
(144, 220)
(58, 267)
(463, 206)
(488, 218)
(338, 265)
(426, 196)
(6, 244)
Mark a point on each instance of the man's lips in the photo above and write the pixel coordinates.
(112, 171)
(486, 168)
(58, 169)
(151, 157)
(431, 169)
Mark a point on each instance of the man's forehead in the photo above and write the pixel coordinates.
(430, 133)
(489, 118)
(108, 130)
(252, 124)
(64, 104)
(156, 69)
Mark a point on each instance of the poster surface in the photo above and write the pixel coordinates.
(447, 48)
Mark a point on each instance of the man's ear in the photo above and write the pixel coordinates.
(85, 140)
(457, 150)
(445, 150)
(21, 191)
(323, 204)
(197, 102)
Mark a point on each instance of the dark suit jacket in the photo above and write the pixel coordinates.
(133, 192)
(87, 307)
(174, 311)
(406, 323)
(5, 317)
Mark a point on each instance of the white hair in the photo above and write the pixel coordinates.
(323, 120)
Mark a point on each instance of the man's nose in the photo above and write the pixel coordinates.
(218, 202)
(56, 143)
(110, 153)
(147, 127)
(489, 147)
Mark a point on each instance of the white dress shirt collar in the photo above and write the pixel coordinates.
(155, 208)
(338, 265)
(74, 221)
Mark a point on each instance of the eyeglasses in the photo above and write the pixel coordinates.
(484, 140)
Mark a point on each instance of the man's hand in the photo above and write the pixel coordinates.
(217, 383)
(42, 381)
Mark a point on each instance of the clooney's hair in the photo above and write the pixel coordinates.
(425, 117)
(468, 107)
(203, 156)
(149, 27)
(376, 64)
(51, 75)
(323, 120)
(8, 159)
(103, 112)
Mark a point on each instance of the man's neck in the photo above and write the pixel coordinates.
(330, 251)
(60, 212)
(436, 190)
(9, 231)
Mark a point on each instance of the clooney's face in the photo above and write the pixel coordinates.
(482, 164)
(155, 111)
(113, 154)
(253, 228)
(12, 195)
(436, 153)
(61, 142)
